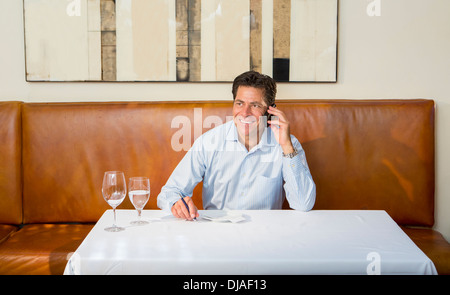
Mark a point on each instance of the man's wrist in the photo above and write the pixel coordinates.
(289, 152)
(288, 149)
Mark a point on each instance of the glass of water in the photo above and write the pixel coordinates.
(114, 190)
(139, 193)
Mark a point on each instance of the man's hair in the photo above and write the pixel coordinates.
(256, 80)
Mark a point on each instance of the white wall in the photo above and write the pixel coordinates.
(403, 53)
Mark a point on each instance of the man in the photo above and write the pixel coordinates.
(243, 163)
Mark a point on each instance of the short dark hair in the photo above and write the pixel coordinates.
(256, 80)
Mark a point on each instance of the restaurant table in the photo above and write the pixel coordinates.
(266, 242)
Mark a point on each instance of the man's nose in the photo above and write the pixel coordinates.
(247, 111)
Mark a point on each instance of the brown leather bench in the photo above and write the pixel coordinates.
(362, 154)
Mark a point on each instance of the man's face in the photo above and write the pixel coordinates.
(248, 107)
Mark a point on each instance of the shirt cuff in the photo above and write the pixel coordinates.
(293, 164)
(166, 200)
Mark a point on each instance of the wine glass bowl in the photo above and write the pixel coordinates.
(139, 193)
(114, 190)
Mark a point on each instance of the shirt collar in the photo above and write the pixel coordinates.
(267, 138)
(231, 132)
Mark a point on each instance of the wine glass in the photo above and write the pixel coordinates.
(139, 193)
(114, 190)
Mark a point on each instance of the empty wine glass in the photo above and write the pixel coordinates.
(114, 190)
(139, 193)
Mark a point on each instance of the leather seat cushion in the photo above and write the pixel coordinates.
(434, 245)
(41, 248)
(6, 230)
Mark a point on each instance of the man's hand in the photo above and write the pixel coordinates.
(281, 129)
(179, 210)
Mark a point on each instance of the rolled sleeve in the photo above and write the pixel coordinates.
(299, 186)
(188, 173)
(166, 199)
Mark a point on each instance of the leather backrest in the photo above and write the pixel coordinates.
(10, 163)
(362, 154)
(370, 154)
(68, 146)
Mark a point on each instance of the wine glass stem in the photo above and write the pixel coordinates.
(114, 224)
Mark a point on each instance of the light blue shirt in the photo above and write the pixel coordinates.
(237, 179)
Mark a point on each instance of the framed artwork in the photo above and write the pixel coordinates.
(180, 40)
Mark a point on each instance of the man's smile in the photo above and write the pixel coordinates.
(248, 120)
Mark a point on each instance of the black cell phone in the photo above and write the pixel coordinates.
(269, 116)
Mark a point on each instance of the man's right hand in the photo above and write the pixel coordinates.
(179, 210)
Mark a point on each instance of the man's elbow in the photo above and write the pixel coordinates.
(307, 202)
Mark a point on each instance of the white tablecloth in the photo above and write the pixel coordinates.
(267, 242)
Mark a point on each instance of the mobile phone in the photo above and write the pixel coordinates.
(269, 116)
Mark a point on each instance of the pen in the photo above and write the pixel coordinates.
(187, 207)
